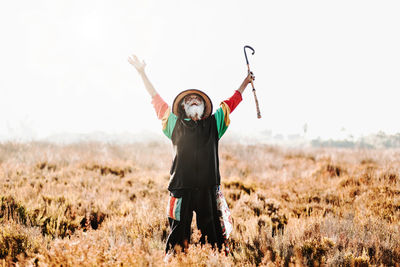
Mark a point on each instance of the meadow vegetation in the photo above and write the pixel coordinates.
(96, 204)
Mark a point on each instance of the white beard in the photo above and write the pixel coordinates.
(195, 112)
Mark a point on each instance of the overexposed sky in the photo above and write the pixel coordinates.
(334, 65)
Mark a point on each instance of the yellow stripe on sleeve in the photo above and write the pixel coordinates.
(164, 119)
(227, 111)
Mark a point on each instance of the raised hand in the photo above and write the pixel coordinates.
(250, 77)
(139, 65)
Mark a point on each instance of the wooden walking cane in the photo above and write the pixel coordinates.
(252, 84)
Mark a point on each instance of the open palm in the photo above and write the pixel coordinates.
(139, 65)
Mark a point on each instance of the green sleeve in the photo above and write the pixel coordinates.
(169, 124)
(222, 119)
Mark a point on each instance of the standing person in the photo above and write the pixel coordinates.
(195, 178)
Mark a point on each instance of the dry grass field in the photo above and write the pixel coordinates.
(95, 204)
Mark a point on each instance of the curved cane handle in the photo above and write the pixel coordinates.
(245, 54)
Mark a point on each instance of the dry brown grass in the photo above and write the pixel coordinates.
(95, 204)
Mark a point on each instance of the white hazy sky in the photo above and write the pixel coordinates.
(334, 65)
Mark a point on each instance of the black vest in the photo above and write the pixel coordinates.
(196, 162)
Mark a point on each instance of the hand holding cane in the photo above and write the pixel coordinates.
(252, 84)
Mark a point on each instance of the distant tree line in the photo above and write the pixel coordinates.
(379, 140)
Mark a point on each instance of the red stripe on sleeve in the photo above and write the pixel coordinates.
(171, 207)
(159, 106)
(234, 100)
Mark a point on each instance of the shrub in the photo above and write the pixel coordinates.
(10, 209)
(16, 240)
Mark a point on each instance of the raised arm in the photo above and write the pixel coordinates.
(168, 119)
(233, 101)
(140, 65)
(158, 103)
(228, 106)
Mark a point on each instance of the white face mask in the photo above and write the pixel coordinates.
(194, 108)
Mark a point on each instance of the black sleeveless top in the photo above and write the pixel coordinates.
(196, 163)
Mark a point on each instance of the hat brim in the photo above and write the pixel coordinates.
(207, 102)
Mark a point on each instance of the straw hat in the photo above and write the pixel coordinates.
(178, 100)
